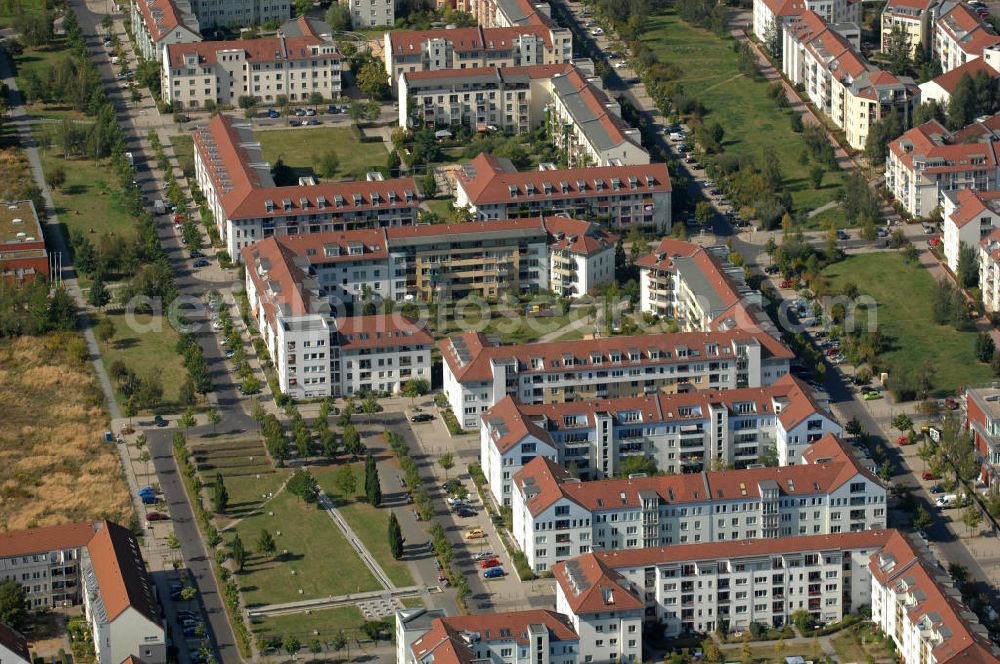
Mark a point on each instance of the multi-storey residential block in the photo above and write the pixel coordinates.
(22, 246)
(989, 271)
(479, 372)
(583, 121)
(318, 351)
(837, 78)
(969, 216)
(222, 72)
(681, 433)
(98, 564)
(697, 588)
(240, 13)
(506, 13)
(915, 603)
(581, 256)
(509, 637)
(13, 646)
(911, 20)
(617, 196)
(248, 207)
(158, 23)
(466, 48)
(769, 16)
(371, 13)
(927, 161)
(46, 562)
(939, 89)
(960, 36)
(692, 285)
(604, 609)
(556, 516)
(982, 417)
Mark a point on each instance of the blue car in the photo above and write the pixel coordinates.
(271, 113)
(493, 573)
(201, 262)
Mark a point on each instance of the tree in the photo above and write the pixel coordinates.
(902, 423)
(428, 184)
(55, 177)
(265, 544)
(704, 213)
(13, 604)
(922, 520)
(291, 645)
(369, 406)
(816, 174)
(958, 573)
(711, 651)
(415, 387)
(373, 110)
(968, 266)
(637, 465)
(104, 330)
(372, 79)
(338, 641)
(186, 393)
(338, 17)
(972, 518)
(346, 482)
(962, 106)
(373, 488)
(352, 441)
(214, 417)
(447, 462)
(802, 620)
(395, 538)
(328, 164)
(98, 296)
(186, 420)
(985, 347)
(304, 485)
(238, 553)
(107, 23)
(220, 495)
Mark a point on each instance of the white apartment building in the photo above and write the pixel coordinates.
(912, 19)
(557, 517)
(928, 160)
(479, 372)
(468, 48)
(915, 603)
(13, 647)
(770, 15)
(604, 609)
(681, 433)
(939, 89)
(616, 196)
(371, 13)
(507, 13)
(696, 588)
(159, 23)
(46, 562)
(968, 218)
(248, 207)
(118, 600)
(583, 120)
(266, 69)
(240, 13)
(509, 637)
(960, 36)
(316, 349)
(581, 256)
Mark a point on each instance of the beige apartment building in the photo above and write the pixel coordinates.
(411, 51)
(911, 19)
(265, 69)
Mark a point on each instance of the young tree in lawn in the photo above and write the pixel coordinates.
(985, 347)
(291, 645)
(220, 495)
(395, 538)
(98, 296)
(214, 417)
(239, 554)
(352, 441)
(415, 387)
(104, 330)
(447, 462)
(370, 405)
(265, 544)
(923, 519)
(902, 423)
(373, 488)
(972, 518)
(13, 604)
(347, 483)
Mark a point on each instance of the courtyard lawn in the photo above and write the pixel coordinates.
(903, 294)
(40, 61)
(250, 477)
(442, 207)
(743, 108)
(370, 523)
(302, 147)
(183, 146)
(319, 560)
(146, 345)
(91, 200)
(322, 624)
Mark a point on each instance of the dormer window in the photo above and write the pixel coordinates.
(581, 185)
(269, 205)
(650, 181)
(512, 188)
(564, 186)
(547, 187)
(408, 195)
(616, 184)
(338, 201)
(321, 202)
(376, 198)
(357, 200)
(286, 204)
(599, 184)
(633, 182)
(304, 203)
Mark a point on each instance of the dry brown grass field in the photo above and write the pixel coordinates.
(54, 464)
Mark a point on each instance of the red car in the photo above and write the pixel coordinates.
(908, 439)
(928, 475)
(178, 218)
(492, 562)
(787, 283)
(157, 516)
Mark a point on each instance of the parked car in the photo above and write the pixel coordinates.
(493, 573)
(465, 511)
(310, 112)
(159, 421)
(157, 516)
(928, 475)
(422, 417)
(787, 283)
(489, 562)
(475, 533)
(484, 555)
(772, 269)
(871, 395)
(299, 113)
(201, 262)
(333, 109)
(936, 488)
(311, 123)
(272, 113)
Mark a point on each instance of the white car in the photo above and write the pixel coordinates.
(217, 325)
(621, 65)
(677, 136)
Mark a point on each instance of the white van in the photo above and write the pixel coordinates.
(947, 500)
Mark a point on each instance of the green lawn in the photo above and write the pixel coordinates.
(903, 294)
(183, 146)
(441, 207)
(749, 117)
(322, 624)
(90, 201)
(510, 325)
(849, 648)
(301, 147)
(323, 562)
(371, 524)
(247, 470)
(40, 61)
(146, 345)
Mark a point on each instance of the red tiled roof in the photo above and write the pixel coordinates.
(516, 426)
(629, 558)
(948, 81)
(530, 71)
(662, 257)
(15, 642)
(939, 151)
(590, 586)
(787, 7)
(911, 4)
(381, 331)
(484, 181)
(966, 29)
(447, 641)
(970, 204)
(410, 42)
(43, 540)
(579, 237)
(464, 227)
(801, 403)
(268, 49)
(160, 17)
(121, 573)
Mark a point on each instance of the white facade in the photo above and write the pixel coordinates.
(612, 635)
(240, 13)
(968, 218)
(989, 272)
(770, 14)
(159, 23)
(371, 13)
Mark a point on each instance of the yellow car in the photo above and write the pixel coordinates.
(475, 533)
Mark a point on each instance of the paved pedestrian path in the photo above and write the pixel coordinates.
(369, 560)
